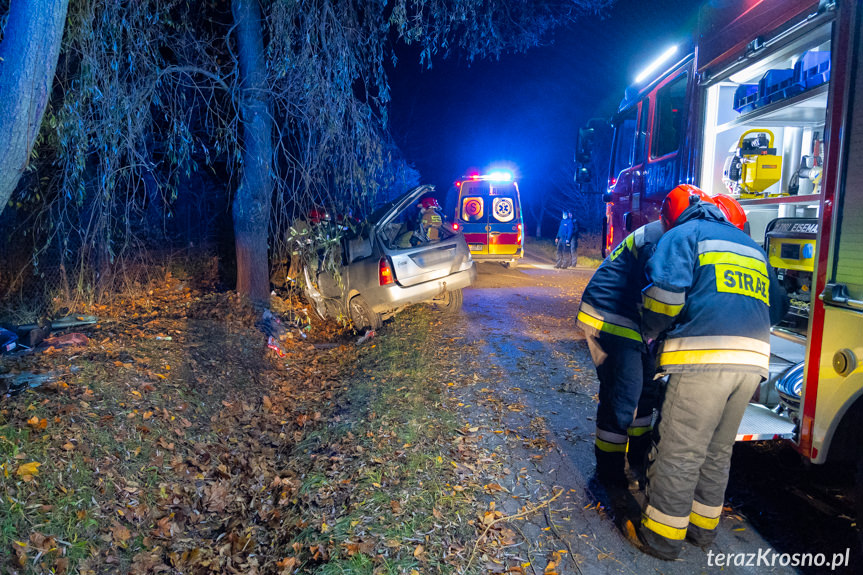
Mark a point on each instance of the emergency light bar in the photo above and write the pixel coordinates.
(656, 64)
(499, 176)
(492, 177)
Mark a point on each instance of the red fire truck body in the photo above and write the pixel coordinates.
(768, 107)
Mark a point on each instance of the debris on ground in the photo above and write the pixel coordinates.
(65, 340)
(370, 333)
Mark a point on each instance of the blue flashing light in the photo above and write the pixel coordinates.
(500, 176)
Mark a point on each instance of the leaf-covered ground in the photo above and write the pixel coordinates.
(177, 442)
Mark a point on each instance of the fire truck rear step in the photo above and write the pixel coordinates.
(761, 424)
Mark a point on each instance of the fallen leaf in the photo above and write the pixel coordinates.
(120, 533)
(31, 468)
(419, 550)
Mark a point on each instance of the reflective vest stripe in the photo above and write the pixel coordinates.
(663, 301)
(714, 342)
(713, 357)
(714, 258)
(609, 317)
(660, 307)
(639, 431)
(665, 296)
(705, 246)
(607, 327)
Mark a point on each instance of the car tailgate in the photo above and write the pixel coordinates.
(429, 262)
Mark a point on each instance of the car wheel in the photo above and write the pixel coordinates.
(362, 315)
(450, 302)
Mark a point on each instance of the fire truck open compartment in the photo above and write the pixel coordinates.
(766, 114)
(764, 120)
(794, 115)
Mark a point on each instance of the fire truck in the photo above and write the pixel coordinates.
(768, 107)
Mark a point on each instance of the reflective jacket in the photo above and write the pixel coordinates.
(611, 301)
(709, 298)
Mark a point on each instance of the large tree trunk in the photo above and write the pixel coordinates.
(28, 59)
(251, 207)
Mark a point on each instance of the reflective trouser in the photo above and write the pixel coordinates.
(573, 252)
(561, 255)
(689, 463)
(628, 396)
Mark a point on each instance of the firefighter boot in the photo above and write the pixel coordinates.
(610, 467)
(699, 536)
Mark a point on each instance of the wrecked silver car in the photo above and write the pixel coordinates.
(390, 262)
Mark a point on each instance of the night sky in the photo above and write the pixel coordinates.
(524, 110)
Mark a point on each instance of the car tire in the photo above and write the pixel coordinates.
(451, 302)
(363, 317)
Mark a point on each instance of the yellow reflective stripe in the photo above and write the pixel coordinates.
(609, 327)
(664, 530)
(657, 306)
(702, 521)
(610, 447)
(713, 258)
(625, 244)
(639, 431)
(713, 356)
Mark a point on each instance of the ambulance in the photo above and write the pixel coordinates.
(766, 105)
(489, 215)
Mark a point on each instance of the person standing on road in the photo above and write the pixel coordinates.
(564, 234)
(573, 242)
(628, 393)
(710, 301)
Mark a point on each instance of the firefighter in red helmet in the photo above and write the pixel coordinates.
(430, 222)
(710, 300)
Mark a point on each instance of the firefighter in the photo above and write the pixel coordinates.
(709, 300)
(564, 235)
(628, 392)
(430, 222)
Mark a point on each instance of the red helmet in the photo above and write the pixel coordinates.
(732, 210)
(678, 200)
(318, 215)
(428, 203)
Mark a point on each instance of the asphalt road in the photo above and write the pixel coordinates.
(534, 402)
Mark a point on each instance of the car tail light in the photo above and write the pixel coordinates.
(455, 226)
(385, 272)
(518, 238)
